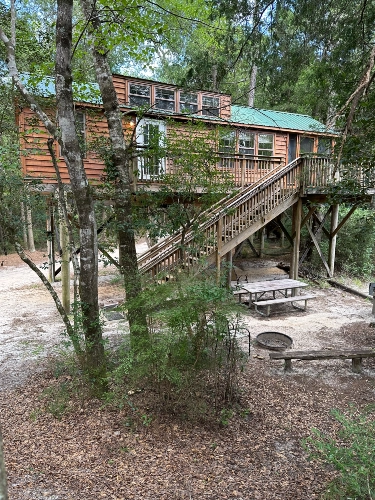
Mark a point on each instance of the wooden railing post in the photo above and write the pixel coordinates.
(243, 166)
(219, 244)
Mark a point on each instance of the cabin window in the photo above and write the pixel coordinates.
(324, 146)
(151, 162)
(265, 144)
(306, 145)
(227, 142)
(164, 99)
(139, 95)
(227, 148)
(188, 103)
(246, 142)
(210, 106)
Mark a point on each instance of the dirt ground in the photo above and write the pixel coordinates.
(92, 452)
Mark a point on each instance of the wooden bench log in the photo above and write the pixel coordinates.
(356, 355)
(282, 300)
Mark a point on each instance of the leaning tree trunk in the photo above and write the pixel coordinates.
(81, 190)
(122, 161)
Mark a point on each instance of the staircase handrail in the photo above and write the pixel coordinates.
(169, 245)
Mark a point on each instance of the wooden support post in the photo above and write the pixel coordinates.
(229, 260)
(332, 239)
(282, 236)
(262, 238)
(65, 264)
(297, 216)
(24, 230)
(30, 234)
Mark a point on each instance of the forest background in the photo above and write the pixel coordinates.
(292, 56)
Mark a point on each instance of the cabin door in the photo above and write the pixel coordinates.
(151, 161)
(292, 147)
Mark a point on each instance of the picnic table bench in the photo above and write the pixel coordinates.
(260, 291)
(282, 300)
(356, 355)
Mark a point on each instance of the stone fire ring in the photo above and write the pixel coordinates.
(274, 341)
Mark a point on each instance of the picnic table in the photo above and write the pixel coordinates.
(270, 292)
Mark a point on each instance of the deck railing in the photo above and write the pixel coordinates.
(242, 169)
(320, 173)
(226, 224)
(236, 217)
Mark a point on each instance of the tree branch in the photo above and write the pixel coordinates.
(55, 297)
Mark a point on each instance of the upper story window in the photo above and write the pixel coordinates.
(324, 146)
(227, 142)
(246, 142)
(188, 102)
(210, 106)
(306, 145)
(265, 144)
(164, 99)
(139, 95)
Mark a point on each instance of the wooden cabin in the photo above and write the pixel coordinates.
(251, 141)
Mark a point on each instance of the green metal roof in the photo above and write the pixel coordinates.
(277, 119)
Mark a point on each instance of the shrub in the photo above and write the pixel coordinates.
(191, 356)
(352, 454)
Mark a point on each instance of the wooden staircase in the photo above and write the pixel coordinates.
(228, 223)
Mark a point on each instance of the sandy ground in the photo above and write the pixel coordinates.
(92, 453)
(30, 327)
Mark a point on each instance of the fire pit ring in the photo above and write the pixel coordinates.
(274, 341)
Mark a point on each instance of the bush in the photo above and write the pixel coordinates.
(191, 357)
(352, 454)
(356, 243)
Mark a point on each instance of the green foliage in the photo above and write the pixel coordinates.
(15, 193)
(355, 248)
(352, 453)
(192, 159)
(190, 357)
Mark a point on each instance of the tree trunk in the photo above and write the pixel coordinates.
(122, 161)
(253, 84)
(82, 193)
(81, 190)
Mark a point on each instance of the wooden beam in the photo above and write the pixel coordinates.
(297, 216)
(252, 247)
(321, 222)
(354, 207)
(238, 250)
(332, 239)
(310, 212)
(319, 251)
(284, 230)
(325, 231)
